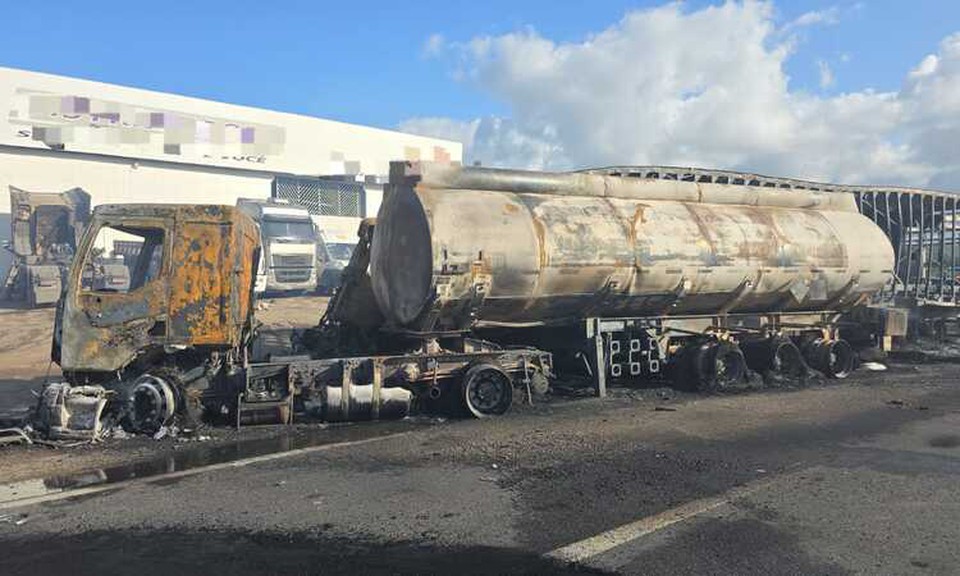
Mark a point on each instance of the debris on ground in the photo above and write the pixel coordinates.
(68, 412)
(171, 431)
(901, 404)
(117, 433)
(873, 366)
(15, 519)
(14, 436)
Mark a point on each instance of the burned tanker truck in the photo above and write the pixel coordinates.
(626, 276)
(176, 342)
(472, 282)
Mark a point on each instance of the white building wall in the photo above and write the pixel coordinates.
(125, 145)
(110, 181)
(43, 111)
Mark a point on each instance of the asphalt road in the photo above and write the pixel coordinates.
(859, 477)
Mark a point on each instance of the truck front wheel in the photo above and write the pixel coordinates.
(486, 390)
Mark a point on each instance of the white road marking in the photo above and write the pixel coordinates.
(73, 493)
(606, 541)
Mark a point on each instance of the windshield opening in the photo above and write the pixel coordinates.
(340, 251)
(295, 229)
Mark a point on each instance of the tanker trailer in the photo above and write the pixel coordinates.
(633, 276)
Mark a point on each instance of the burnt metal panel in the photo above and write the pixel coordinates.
(512, 247)
(922, 226)
(199, 291)
(41, 221)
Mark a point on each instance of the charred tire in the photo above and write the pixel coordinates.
(835, 358)
(710, 366)
(151, 402)
(486, 390)
(777, 354)
(787, 359)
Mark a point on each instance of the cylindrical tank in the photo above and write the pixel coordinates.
(364, 403)
(457, 246)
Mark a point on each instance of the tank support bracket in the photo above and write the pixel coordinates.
(600, 362)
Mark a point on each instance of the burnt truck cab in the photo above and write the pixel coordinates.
(186, 311)
(190, 286)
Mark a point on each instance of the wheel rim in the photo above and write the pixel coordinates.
(729, 367)
(717, 365)
(840, 359)
(488, 392)
(152, 404)
(788, 360)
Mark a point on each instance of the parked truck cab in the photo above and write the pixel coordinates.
(289, 240)
(338, 239)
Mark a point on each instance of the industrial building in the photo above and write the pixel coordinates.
(126, 145)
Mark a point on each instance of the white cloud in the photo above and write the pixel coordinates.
(434, 45)
(829, 16)
(826, 74)
(493, 141)
(706, 88)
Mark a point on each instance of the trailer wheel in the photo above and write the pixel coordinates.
(486, 390)
(778, 355)
(787, 359)
(711, 366)
(835, 358)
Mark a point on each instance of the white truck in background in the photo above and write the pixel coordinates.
(288, 236)
(338, 238)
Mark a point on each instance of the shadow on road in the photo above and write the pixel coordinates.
(166, 552)
(17, 398)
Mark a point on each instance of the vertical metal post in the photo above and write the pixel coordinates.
(941, 229)
(601, 357)
(898, 249)
(886, 212)
(953, 252)
(929, 240)
(909, 272)
(889, 230)
(377, 365)
(925, 242)
(363, 200)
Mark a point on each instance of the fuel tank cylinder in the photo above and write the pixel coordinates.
(461, 246)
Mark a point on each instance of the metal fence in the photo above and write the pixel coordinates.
(923, 229)
(322, 196)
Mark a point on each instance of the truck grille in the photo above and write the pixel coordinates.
(292, 274)
(293, 261)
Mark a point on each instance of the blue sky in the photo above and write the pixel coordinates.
(842, 90)
(363, 61)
